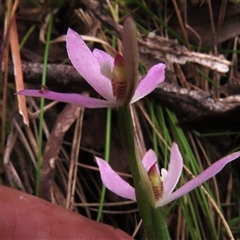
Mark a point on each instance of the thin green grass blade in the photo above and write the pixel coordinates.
(193, 165)
(207, 78)
(106, 157)
(107, 147)
(44, 78)
(25, 38)
(157, 19)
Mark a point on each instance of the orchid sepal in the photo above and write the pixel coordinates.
(73, 98)
(130, 55)
(210, 172)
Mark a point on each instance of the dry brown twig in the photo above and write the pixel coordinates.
(160, 49)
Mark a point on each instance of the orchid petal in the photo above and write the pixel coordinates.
(87, 64)
(154, 77)
(149, 160)
(106, 63)
(174, 170)
(114, 182)
(201, 178)
(106, 70)
(102, 57)
(74, 98)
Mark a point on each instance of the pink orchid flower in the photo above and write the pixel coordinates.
(97, 68)
(169, 179)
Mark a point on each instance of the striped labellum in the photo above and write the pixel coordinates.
(119, 77)
(156, 183)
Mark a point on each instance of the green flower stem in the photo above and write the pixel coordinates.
(152, 217)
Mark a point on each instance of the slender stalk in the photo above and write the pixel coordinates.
(106, 157)
(40, 135)
(152, 217)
